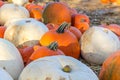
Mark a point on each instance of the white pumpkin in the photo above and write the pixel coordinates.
(12, 11)
(4, 75)
(97, 43)
(20, 2)
(10, 58)
(57, 68)
(25, 32)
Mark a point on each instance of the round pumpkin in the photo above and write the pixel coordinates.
(110, 69)
(25, 32)
(43, 51)
(67, 41)
(57, 13)
(4, 75)
(57, 68)
(12, 11)
(97, 43)
(10, 59)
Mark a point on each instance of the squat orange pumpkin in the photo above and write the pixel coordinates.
(57, 13)
(43, 51)
(67, 41)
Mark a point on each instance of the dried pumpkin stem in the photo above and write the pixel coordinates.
(67, 69)
(62, 27)
(53, 46)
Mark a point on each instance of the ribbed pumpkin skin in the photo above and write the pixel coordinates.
(111, 68)
(56, 13)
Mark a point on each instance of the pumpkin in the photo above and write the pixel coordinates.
(72, 29)
(25, 32)
(114, 28)
(12, 11)
(1, 3)
(43, 51)
(76, 32)
(30, 6)
(107, 1)
(80, 21)
(110, 69)
(52, 26)
(26, 52)
(67, 41)
(2, 31)
(10, 58)
(97, 43)
(4, 75)
(20, 2)
(57, 13)
(57, 68)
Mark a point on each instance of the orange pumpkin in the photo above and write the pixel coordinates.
(2, 31)
(36, 13)
(57, 13)
(43, 51)
(77, 18)
(26, 52)
(110, 69)
(76, 32)
(114, 28)
(107, 1)
(52, 26)
(81, 22)
(1, 3)
(67, 41)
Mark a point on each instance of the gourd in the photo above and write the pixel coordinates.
(57, 68)
(97, 43)
(4, 75)
(10, 58)
(25, 32)
(12, 11)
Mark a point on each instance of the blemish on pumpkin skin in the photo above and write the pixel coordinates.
(48, 78)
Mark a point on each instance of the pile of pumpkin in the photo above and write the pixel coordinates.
(46, 43)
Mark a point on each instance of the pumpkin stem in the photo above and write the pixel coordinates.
(62, 27)
(67, 69)
(53, 46)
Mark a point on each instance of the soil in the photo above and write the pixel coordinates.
(98, 13)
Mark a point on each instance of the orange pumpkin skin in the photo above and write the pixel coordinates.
(56, 13)
(81, 21)
(2, 31)
(1, 3)
(30, 6)
(77, 18)
(110, 69)
(82, 26)
(36, 13)
(67, 41)
(52, 26)
(114, 28)
(43, 51)
(26, 52)
(76, 32)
